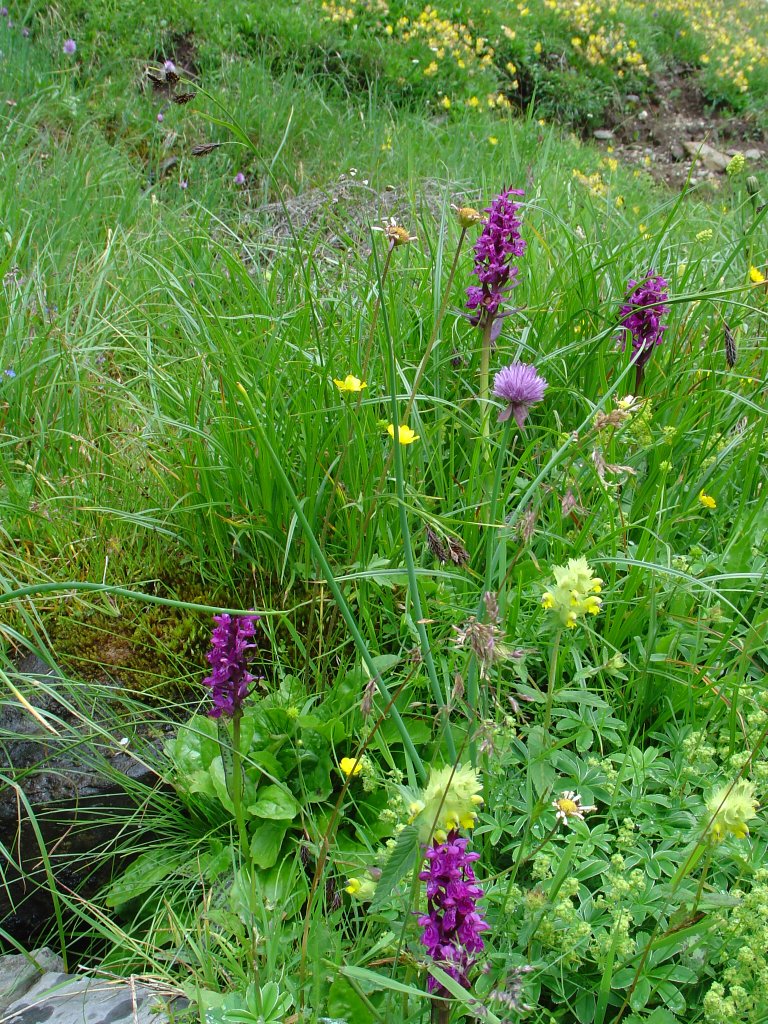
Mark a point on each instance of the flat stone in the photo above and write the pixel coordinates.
(58, 998)
(18, 973)
(753, 154)
(603, 134)
(710, 157)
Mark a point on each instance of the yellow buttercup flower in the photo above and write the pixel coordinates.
(755, 276)
(350, 383)
(730, 808)
(707, 500)
(350, 766)
(404, 434)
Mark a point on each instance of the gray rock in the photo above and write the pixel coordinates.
(710, 157)
(603, 134)
(18, 973)
(58, 998)
(753, 154)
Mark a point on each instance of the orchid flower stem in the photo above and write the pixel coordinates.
(238, 779)
(552, 679)
(485, 363)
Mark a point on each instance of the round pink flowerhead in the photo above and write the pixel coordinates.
(520, 386)
(239, 178)
(168, 65)
(69, 47)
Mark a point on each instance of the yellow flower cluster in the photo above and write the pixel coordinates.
(600, 38)
(730, 808)
(574, 595)
(449, 801)
(345, 13)
(448, 40)
(593, 182)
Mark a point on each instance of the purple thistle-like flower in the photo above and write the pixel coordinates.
(498, 243)
(69, 47)
(520, 386)
(641, 316)
(452, 925)
(239, 178)
(230, 678)
(168, 65)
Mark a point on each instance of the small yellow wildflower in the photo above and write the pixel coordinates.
(755, 276)
(575, 592)
(707, 500)
(360, 888)
(404, 434)
(395, 233)
(569, 805)
(736, 165)
(350, 766)
(730, 808)
(445, 103)
(492, 140)
(537, 48)
(705, 235)
(350, 383)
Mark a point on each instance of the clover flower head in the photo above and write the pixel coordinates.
(230, 678)
(730, 808)
(449, 801)
(69, 47)
(239, 178)
(169, 66)
(499, 243)
(350, 384)
(568, 805)
(405, 435)
(520, 386)
(452, 926)
(641, 316)
(574, 594)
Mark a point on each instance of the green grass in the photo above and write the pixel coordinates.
(173, 443)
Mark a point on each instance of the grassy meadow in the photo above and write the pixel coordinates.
(237, 377)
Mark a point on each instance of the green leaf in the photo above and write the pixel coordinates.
(266, 843)
(144, 874)
(344, 1002)
(275, 803)
(219, 781)
(399, 863)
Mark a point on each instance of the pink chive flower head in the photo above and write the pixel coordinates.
(641, 316)
(228, 658)
(519, 385)
(452, 924)
(168, 65)
(499, 243)
(239, 178)
(69, 47)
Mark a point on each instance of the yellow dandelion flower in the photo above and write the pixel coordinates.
(755, 276)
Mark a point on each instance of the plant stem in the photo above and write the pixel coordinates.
(237, 787)
(552, 679)
(485, 363)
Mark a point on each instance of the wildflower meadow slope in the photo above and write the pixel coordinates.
(397, 496)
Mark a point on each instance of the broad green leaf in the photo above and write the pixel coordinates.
(275, 803)
(266, 843)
